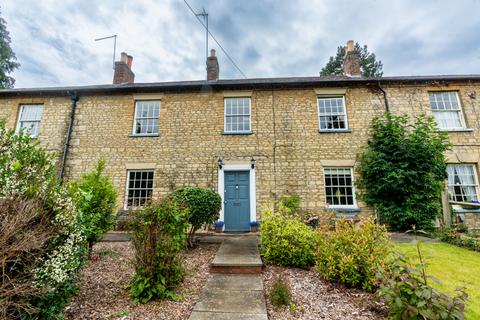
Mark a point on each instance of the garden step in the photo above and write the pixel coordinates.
(237, 255)
(231, 297)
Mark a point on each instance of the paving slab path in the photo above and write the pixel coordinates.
(233, 294)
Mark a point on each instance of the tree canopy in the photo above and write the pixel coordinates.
(368, 62)
(8, 60)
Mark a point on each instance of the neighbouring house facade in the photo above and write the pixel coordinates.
(250, 139)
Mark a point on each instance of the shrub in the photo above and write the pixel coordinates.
(290, 203)
(41, 244)
(452, 236)
(351, 255)
(95, 197)
(280, 293)
(159, 236)
(203, 207)
(285, 240)
(406, 291)
(402, 171)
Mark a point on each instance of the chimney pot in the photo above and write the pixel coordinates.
(123, 72)
(351, 61)
(212, 52)
(350, 47)
(123, 57)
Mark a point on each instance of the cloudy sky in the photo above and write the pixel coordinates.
(54, 40)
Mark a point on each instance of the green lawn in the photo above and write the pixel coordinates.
(454, 267)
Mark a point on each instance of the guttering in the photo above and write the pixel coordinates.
(74, 99)
(385, 99)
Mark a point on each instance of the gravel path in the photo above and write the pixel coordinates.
(103, 293)
(315, 298)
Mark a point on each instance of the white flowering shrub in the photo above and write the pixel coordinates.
(27, 172)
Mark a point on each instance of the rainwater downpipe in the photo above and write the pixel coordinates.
(385, 99)
(74, 99)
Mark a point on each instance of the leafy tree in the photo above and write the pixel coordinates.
(95, 197)
(203, 207)
(403, 169)
(7, 57)
(368, 62)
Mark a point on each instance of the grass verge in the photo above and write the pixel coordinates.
(454, 267)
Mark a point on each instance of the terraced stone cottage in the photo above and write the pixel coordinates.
(250, 139)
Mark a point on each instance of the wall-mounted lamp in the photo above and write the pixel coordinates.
(252, 162)
(220, 164)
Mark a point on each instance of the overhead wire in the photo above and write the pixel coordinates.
(216, 41)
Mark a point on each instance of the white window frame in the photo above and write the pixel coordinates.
(125, 204)
(19, 120)
(463, 125)
(344, 112)
(135, 118)
(475, 177)
(249, 116)
(342, 206)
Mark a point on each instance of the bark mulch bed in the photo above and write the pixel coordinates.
(315, 298)
(104, 294)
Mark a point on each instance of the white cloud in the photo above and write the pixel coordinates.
(54, 43)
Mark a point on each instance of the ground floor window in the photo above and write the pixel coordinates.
(139, 187)
(339, 187)
(462, 182)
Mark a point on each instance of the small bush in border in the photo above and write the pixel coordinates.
(280, 293)
(352, 255)
(285, 240)
(95, 197)
(159, 236)
(454, 237)
(203, 207)
(406, 291)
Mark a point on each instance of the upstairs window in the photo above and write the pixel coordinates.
(139, 187)
(237, 115)
(339, 190)
(462, 182)
(446, 110)
(332, 114)
(29, 119)
(147, 115)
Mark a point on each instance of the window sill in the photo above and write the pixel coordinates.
(343, 209)
(237, 133)
(335, 131)
(133, 135)
(458, 130)
(461, 210)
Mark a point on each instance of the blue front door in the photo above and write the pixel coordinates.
(237, 201)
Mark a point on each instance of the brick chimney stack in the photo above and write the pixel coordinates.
(123, 70)
(351, 63)
(213, 68)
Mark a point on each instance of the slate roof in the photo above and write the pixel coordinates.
(237, 84)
